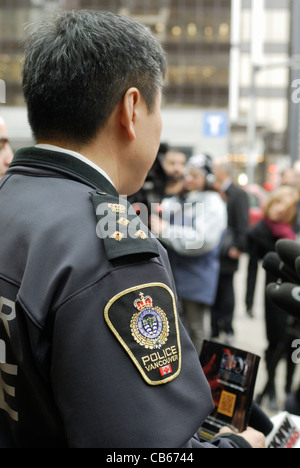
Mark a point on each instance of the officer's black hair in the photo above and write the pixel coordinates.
(79, 64)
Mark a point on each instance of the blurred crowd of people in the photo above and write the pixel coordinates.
(204, 223)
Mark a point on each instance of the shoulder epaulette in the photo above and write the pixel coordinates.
(120, 228)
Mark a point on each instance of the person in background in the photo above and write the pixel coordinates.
(296, 170)
(173, 163)
(191, 228)
(164, 179)
(279, 215)
(234, 243)
(152, 190)
(6, 152)
(287, 177)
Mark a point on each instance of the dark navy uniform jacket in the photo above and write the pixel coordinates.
(92, 351)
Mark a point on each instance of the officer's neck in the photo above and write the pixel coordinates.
(103, 159)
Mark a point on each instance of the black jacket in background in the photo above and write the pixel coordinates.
(260, 242)
(238, 222)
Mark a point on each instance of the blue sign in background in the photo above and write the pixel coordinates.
(215, 124)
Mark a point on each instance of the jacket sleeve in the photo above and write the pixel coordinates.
(225, 441)
(111, 388)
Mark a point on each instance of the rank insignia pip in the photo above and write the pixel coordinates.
(151, 335)
(120, 229)
(117, 235)
(123, 221)
(141, 234)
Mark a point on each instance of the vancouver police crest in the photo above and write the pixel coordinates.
(144, 320)
(149, 327)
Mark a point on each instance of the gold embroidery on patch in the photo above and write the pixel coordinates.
(117, 235)
(115, 208)
(150, 326)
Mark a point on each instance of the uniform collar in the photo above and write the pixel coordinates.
(75, 154)
(64, 163)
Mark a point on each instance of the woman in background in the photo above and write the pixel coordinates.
(279, 216)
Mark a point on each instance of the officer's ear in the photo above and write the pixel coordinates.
(129, 111)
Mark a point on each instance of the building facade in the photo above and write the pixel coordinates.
(194, 33)
(198, 36)
(264, 90)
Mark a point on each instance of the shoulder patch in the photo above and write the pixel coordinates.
(144, 320)
(121, 229)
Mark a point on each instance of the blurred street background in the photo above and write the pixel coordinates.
(232, 82)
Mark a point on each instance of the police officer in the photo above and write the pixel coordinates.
(92, 351)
